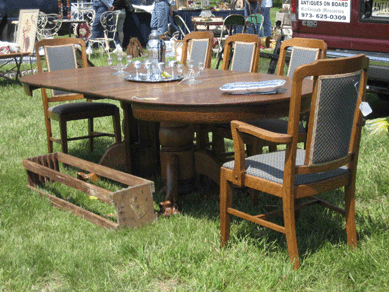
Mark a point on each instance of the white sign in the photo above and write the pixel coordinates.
(325, 10)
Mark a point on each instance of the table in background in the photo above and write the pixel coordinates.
(6, 59)
(69, 22)
(188, 14)
(213, 21)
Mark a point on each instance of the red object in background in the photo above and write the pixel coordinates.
(68, 5)
(59, 9)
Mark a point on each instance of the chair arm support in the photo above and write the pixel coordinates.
(261, 133)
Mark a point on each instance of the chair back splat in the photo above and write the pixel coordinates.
(329, 161)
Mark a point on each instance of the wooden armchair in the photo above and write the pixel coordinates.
(329, 161)
(60, 54)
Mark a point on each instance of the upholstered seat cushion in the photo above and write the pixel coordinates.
(79, 107)
(270, 166)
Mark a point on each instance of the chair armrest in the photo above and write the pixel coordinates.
(237, 128)
(260, 133)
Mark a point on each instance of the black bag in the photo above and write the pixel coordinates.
(129, 8)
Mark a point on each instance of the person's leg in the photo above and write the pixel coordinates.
(155, 16)
(97, 28)
(122, 17)
(266, 22)
(163, 17)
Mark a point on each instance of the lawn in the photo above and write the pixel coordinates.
(46, 249)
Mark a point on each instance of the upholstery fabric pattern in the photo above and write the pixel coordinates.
(60, 58)
(199, 51)
(301, 56)
(333, 121)
(270, 166)
(242, 60)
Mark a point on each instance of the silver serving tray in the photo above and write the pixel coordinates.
(142, 78)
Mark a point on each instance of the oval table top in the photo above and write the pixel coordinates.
(171, 102)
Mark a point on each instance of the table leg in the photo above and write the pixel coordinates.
(177, 159)
(139, 151)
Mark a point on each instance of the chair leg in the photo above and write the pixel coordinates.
(49, 134)
(64, 135)
(90, 132)
(116, 126)
(225, 203)
(290, 228)
(217, 143)
(350, 216)
(254, 197)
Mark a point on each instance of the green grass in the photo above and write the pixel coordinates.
(46, 249)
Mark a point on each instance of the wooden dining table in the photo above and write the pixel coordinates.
(176, 108)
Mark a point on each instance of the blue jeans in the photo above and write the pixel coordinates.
(160, 17)
(97, 28)
(253, 9)
(266, 22)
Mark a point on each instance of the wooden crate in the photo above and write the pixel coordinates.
(134, 204)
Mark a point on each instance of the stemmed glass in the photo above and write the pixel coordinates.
(120, 66)
(161, 68)
(180, 68)
(172, 64)
(137, 65)
(201, 68)
(192, 74)
(148, 68)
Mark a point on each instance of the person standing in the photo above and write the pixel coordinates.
(160, 16)
(124, 12)
(100, 6)
(251, 7)
(265, 6)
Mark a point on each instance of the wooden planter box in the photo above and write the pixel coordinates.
(134, 204)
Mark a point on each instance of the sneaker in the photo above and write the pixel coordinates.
(88, 50)
(118, 49)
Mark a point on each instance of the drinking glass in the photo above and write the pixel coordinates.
(137, 65)
(161, 68)
(172, 64)
(192, 74)
(180, 68)
(148, 68)
(201, 68)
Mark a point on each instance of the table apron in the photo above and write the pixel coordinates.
(212, 114)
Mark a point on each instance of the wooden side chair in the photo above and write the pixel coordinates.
(303, 51)
(199, 46)
(329, 161)
(245, 50)
(60, 54)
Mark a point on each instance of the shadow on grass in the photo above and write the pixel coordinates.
(315, 227)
